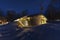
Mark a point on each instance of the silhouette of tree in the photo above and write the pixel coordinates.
(52, 13)
(18, 15)
(1, 13)
(24, 13)
(11, 15)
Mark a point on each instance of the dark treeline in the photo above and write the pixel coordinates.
(52, 13)
(12, 15)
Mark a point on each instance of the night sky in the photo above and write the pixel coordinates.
(33, 6)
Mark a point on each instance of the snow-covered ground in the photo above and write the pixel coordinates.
(10, 31)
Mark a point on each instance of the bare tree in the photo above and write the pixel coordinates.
(1, 13)
(11, 15)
